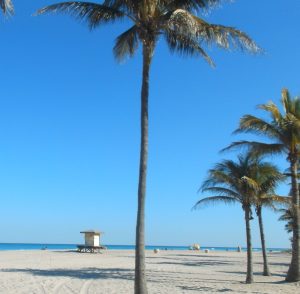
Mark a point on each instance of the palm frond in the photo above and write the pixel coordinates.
(7, 6)
(218, 177)
(288, 217)
(273, 201)
(131, 6)
(258, 126)
(185, 45)
(286, 101)
(256, 148)
(188, 24)
(222, 191)
(278, 199)
(94, 14)
(126, 44)
(224, 36)
(270, 176)
(297, 106)
(215, 200)
(272, 109)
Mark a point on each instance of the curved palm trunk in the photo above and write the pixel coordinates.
(249, 277)
(266, 271)
(293, 274)
(140, 283)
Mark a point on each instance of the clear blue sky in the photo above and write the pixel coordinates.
(69, 127)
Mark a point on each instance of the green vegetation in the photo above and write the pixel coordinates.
(248, 181)
(286, 216)
(283, 130)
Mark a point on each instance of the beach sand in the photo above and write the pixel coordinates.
(169, 272)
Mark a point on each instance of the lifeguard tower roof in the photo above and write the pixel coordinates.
(91, 232)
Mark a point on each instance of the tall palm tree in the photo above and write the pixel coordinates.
(284, 131)
(241, 182)
(6, 6)
(184, 33)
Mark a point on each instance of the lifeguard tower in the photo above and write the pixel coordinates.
(92, 242)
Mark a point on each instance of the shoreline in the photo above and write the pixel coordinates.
(54, 246)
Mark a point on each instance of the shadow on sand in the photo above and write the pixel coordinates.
(196, 263)
(255, 274)
(207, 289)
(84, 273)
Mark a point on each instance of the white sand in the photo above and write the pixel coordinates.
(169, 272)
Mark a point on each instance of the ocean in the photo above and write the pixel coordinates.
(37, 246)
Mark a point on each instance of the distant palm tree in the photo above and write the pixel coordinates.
(284, 131)
(240, 182)
(286, 216)
(184, 33)
(6, 6)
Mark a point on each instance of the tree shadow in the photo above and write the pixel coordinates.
(211, 289)
(255, 274)
(176, 260)
(196, 263)
(279, 263)
(84, 273)
(204, 289)
(198, 255)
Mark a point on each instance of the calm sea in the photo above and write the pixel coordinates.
(35, 246)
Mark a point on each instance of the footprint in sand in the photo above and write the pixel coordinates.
(38, 285)
(62, 288)
(85, 287)
(58, 287)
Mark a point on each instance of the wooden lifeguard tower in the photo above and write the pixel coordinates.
(92, 242)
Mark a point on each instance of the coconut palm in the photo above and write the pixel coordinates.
(184, 33)
(286, 216)
(241, 182)
(269, 177)
(284, 131)
(6, 6)
(266, 270)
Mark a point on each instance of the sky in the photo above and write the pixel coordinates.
(70, 132)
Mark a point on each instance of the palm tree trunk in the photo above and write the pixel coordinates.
(249, 277)
(140, 285)
(293, 274)
(266, 271)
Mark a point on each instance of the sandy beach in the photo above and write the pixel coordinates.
(65, 272)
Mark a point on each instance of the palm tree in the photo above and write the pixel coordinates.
(184, 33)
(6, 6)
(286, 216)
(240, 182)
(266, 271)
(284, 131)
(268, 179)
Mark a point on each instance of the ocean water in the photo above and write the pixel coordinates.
(36, 246)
